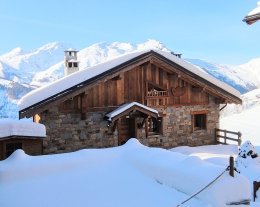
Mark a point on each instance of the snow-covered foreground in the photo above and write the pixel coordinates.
(129, 175)
(219, 155)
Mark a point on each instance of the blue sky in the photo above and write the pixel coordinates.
(206, 29)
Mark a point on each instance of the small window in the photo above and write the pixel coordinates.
(11, 147)
(199, 121)
(75, 64)
(70, 65)
(154, 125)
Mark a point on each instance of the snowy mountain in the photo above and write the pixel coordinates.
(22, 71)
(240, 77)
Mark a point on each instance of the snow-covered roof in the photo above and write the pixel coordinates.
(73, 61)
(76, 79)
(255, 10)
(127, 106)
(71, 50)
(10, 127)
(253, 15)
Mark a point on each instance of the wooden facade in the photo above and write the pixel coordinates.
(148, 84)
(182, 98)
(31, 145)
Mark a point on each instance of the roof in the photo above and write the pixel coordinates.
(128, 107)
(80, 79)
(253, 15)
(9, 127)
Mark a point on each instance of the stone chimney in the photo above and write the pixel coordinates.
(71, 64)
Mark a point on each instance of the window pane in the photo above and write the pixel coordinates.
(199, 121)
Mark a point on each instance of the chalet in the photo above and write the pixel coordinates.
(16, 134)
(152, 95)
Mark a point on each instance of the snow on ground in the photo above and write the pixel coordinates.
(129, 175)
(247, 122)
(219, 155)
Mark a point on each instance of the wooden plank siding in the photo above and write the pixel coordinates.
(133, 85)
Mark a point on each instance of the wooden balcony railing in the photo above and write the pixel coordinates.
(223, 136)
(157, 93)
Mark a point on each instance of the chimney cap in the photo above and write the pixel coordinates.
(71, 50)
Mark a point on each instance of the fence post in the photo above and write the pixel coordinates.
(231, 166)
(239, 138)
(216, 135)
(225, 135)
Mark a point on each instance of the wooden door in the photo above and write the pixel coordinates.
(126, 129)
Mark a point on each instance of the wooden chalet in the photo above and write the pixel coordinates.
(153, 95)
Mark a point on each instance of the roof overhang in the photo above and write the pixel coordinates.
(253, 15)
(252, 18)
(17, 137)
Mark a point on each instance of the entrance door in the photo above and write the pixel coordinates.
(127, 129)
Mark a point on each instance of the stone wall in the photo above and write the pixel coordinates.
(67, 132)
(177, 127)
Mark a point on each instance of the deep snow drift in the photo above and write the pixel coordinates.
(129, 175)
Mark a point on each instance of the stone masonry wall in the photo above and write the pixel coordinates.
(66, 132)
(177, 127)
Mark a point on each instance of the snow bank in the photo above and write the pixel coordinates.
(10, 127)
(248, 159)
(137, 175)
(247, 122)
(189, 174)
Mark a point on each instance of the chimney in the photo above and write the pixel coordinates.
(71, 64)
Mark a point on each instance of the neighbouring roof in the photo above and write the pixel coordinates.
(253, 15)
(128, 107)
(77, 80)
(10, 127)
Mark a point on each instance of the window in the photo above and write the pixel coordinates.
(154, 125)
(75, 64)
(70, 64)
(199, 120)
(11, 147)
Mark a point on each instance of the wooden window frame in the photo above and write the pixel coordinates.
(203, 126)
(159, 124)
